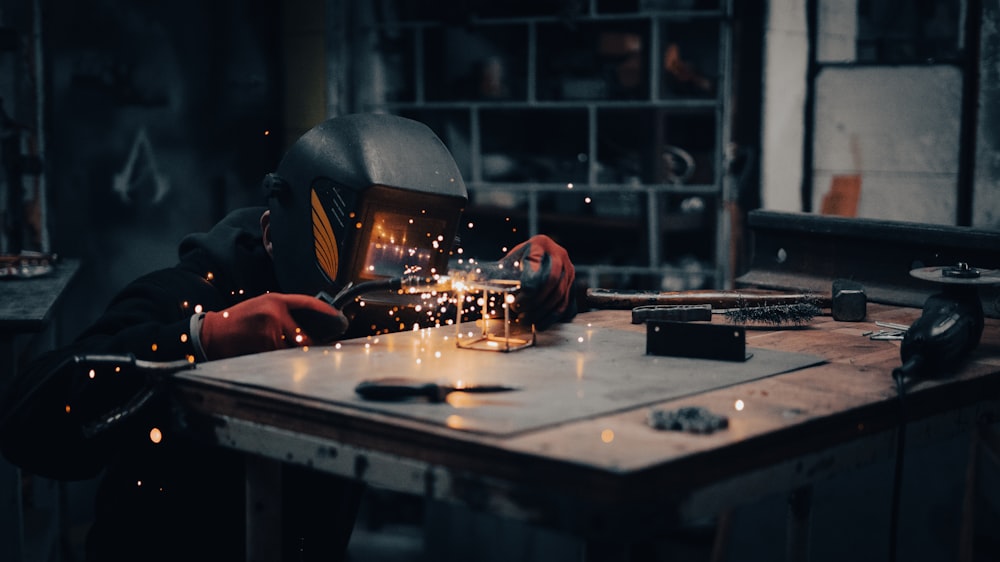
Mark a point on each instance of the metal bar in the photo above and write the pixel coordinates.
(655, 50)
(653, 226)
(723, 133)
(679, 104)
(809, 105)
(475, 150)
(592, 135)
(532, 94)
(418, 63)
(263, 512)
(532, 213)
(970, 115)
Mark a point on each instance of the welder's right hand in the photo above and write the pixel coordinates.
(268, 322)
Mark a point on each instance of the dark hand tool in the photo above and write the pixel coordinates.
(674, 312)
(390, 389)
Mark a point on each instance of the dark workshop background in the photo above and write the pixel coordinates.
(153, 119)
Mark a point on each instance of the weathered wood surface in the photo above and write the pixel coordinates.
(618, 459)
(25, 304)
(574, 371)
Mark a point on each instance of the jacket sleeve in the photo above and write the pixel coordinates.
(52, 402)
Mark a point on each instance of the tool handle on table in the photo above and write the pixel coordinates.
(391, 390)
(625, 300)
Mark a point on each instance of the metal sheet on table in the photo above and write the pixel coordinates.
(574, 372)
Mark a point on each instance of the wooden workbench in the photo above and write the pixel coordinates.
(28, 308)
(611, 478)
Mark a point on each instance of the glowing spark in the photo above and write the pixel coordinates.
(184, 338)
(569, 186)
(154, 347)
(197, 309)
(337, 346)
(580, 339)
(471, 225)
(225, 314)
(210, 276)
(587, 200)
(739, 405)
(155, 435)
(607, 436)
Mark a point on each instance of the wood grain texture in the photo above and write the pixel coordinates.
(25, 304)
(614, 461)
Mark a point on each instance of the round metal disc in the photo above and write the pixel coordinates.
(959, 276)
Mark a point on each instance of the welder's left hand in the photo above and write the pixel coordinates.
(547, 276)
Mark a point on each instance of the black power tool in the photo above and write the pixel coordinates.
(950, 326)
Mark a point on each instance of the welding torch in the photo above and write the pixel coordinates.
(419, 284)
(408, 283)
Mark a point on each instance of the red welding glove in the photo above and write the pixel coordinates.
(546, 277)
(269, 322)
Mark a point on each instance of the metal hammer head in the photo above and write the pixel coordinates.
(848, 302)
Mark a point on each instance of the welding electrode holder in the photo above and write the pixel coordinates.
(153, 373)
(352, 290)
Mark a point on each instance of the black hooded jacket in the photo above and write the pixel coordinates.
(162, 497)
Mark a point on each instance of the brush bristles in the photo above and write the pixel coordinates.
(774, 315)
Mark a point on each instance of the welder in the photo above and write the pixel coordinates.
(356, 198)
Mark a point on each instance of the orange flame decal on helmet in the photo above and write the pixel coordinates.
(325, 241)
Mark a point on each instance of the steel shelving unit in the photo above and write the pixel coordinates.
(606, 127)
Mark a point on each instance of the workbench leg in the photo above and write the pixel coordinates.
(11, 504)
(799, 510)
(319, 512)
(723, 531)
(967, 531)
(263, 509)
(985, 443)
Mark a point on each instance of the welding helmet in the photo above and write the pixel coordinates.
(362, 197)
